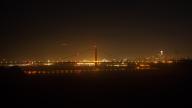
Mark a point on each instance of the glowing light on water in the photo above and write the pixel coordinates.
(85, 64)
(48, 64)
(143, 66)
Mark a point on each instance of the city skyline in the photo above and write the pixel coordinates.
(161, 56)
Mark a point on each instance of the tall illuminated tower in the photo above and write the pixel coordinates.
(161, 52)
(162, 56)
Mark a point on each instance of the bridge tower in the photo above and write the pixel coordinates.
(95, 55)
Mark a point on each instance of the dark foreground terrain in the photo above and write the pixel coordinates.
(170, 84)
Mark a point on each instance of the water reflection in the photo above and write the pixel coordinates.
(78, 71)
(49, 72)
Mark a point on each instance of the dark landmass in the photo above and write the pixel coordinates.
(170, 84)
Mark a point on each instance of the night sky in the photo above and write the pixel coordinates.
(53, 29)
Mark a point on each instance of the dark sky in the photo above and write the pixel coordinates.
(59, 29)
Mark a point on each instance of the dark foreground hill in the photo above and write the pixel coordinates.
(168, 85)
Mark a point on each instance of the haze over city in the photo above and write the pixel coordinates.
(53, 30)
